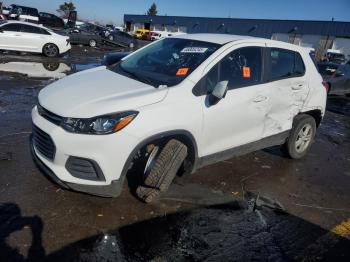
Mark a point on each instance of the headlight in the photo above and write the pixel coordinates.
(100, 125)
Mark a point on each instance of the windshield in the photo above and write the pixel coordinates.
(166, 62)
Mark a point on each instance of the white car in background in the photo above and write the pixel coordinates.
(177, 104)
(163, 34)
(28, 37)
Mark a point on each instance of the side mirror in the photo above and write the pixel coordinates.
(220, 90)
(1, 30)
(218, 93)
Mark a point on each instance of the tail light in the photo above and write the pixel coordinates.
(326, 85)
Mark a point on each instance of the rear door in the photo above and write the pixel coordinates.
(33, 38)
(10, 36)
(288, 86)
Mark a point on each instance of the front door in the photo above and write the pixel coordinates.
(238, 118)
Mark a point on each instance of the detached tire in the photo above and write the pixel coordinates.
(50, 50)
(163, 171)
(301, 137)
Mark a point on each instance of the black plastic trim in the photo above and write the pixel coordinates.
(273, 140)
(112, 190)
(97, 172)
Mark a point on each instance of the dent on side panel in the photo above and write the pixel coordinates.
(284, 104)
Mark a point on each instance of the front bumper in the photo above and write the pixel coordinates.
(112, 190)
(110, 153)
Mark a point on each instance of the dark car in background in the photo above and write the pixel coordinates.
(82, 37)
(87, 34)
(24, 13)
(123, 38)
(337, 76)
(50, 20)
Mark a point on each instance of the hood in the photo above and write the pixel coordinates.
(97, 91)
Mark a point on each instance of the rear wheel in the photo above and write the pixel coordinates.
(301, 137)
(161, 168)
(92, 43)
(50, 50)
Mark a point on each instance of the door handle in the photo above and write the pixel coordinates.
(297, 87)
(259, 98)
(18, 35)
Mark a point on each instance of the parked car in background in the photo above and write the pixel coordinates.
(176, 103)
(5, 10)
(24, 13)
(335, 56)
(163, 34)
(82, 37)
(139, 34)
(337, 77)
(28, 37)
(123, 38)
(50, 20)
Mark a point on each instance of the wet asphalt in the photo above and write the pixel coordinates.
(261, 206)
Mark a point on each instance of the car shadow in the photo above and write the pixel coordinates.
(221, 232)
(11, 220)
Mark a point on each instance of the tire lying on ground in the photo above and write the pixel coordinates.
(301, 137)
(164, 170)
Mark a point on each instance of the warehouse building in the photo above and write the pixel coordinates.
(320, 35)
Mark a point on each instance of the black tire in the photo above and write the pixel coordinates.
(92, 43)
(51, 50)
(164, 170)
(301, 137)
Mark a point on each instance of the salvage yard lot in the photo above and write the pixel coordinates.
(263, 205)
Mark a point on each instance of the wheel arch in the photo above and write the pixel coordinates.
(316, 114)
(183, 136)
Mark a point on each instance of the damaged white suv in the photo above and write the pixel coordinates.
(173, 106)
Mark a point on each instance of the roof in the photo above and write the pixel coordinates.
(213, 38)
(253, 27)
(25, 23)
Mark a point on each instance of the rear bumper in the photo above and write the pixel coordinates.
(112, 190)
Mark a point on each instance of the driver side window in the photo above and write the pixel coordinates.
(242, 67)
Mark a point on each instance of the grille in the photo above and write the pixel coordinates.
(43, 143)
(53, 118)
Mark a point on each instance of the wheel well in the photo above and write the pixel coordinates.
(316, 114)
(185, 139)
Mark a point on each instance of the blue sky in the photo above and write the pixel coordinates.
(113, 10)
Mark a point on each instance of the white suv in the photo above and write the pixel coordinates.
(173, 106)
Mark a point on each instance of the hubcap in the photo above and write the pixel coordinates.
(304, 138)
(50, 50)
(92, 43)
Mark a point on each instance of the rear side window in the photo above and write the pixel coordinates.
(285, 64)
(34, 30)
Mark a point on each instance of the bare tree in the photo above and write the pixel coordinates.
(65, 9)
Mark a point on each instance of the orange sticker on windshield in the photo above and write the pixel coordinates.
(246, 72)
(182, 71)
